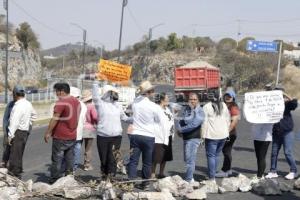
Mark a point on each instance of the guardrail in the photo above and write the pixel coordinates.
(33, 97)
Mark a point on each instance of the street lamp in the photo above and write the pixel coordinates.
(151, 29)
(101, 48)
(84, 44)
(5, 5)
(121, 26)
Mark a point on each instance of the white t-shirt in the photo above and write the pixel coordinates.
(262, 132)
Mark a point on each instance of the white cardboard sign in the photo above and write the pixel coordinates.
(264, 107)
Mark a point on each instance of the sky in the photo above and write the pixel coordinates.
(51, 19)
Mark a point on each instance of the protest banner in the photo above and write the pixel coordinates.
(264, 107)
(113, 71)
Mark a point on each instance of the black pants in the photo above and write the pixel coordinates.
(62, 150)
(16, 153)
(227, 153)
(105, 149)
(6, 149)
(261, 149)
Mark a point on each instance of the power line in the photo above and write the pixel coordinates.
(270, 21)
(41, 23)
(135, 20)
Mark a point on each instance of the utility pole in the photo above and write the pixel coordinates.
(238, 32)
(279, 62)
(121, 27)
(5, 5)
(83, 53)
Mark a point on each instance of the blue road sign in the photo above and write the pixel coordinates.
(261, 46)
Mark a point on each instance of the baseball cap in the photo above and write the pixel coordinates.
(18, 89)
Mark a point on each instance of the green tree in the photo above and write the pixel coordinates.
(173, 42)
(27, 37)
(188, 43)
(226, 44)
(205, 42)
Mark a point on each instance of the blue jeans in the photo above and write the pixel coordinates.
(140, 144)
(213, 149)
(190, 155)
(77, 154)
(287, 142)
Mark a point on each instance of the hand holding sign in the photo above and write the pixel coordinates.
(264, 107)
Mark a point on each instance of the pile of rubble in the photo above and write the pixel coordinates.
(169, 188)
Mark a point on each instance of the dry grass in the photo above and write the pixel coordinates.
(291, 80)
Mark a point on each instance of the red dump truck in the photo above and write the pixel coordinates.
(198, 77)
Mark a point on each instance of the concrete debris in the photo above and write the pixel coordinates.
(164, 195)
(3, 172)
(166, 183)
(284, 187)
(231, 184)
(9, 193)
(40, 187)
(297, 184)
(29, 185)
(196, 194)
(267, 187)
(68, 181)
(210, 186)
(245, 183)
(75, 193)
(2, 184)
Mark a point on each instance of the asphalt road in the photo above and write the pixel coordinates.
(37, 159)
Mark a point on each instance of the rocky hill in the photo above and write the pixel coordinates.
(24, 65)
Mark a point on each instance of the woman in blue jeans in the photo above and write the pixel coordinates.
(283, 136)
(215, 130)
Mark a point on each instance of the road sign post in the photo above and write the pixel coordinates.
(269, 47)
(279, 62)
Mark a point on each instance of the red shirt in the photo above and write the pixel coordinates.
(69, 110)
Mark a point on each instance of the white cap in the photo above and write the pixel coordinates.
(75, 92)
(108, 88)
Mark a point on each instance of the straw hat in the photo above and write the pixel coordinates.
(75, 92)
(86, 95)
(108, 88)
(145, 87)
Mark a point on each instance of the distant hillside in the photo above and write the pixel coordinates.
(65, 49)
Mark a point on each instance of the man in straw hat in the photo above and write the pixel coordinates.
(146, 114)
(109, 127)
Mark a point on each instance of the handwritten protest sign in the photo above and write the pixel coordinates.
(113, 71)
(264, 107)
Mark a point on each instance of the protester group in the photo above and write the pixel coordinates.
(82, 117)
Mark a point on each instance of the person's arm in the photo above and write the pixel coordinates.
(124, 117)
(58, 110)
(94, 115)
(196, 122)
(53, 122)
(96, 96)
(234, 118)
(14, 121)
(292, 104)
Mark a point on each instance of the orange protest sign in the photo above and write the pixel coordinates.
(113, 71)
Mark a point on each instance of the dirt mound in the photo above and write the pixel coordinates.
(291, 80)
(199, 63)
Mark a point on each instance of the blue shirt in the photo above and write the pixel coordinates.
(6, 116)
(192, 119)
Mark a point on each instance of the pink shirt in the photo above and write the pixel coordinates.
(91, 117)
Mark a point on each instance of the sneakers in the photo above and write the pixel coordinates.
(291, 176)
(222, 174)
(272, 175)
(255, 179)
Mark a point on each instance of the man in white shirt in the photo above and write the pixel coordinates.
(146, 115)
(20, 124)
